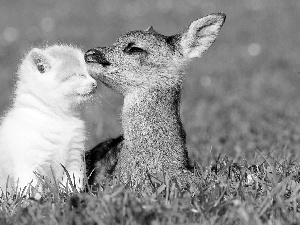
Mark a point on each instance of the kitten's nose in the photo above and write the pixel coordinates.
(95, 85)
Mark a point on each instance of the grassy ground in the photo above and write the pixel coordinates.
(240, 102)
(230, 193)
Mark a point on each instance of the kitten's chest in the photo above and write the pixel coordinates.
(66, 132)
(51, 132)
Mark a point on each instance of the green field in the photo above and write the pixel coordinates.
(240, 107)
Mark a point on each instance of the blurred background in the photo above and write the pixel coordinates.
(241, 97)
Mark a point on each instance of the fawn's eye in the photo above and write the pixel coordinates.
(131, 49)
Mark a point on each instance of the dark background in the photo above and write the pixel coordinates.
(241, 97)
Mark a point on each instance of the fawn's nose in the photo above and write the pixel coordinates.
(96, 56)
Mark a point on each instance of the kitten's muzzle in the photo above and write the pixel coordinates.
(96, 56)
(91, 91)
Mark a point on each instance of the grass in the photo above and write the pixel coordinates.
(230, 193)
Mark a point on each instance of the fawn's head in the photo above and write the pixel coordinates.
(147, 59)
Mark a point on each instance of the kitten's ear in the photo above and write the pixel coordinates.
(40, 60)
(200, 35)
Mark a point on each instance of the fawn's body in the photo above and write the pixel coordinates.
(148, 69)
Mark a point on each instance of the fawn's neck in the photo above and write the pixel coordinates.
(152, 126)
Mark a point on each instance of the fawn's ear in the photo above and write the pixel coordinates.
(40, 60)
(151, 29)
(200, 35)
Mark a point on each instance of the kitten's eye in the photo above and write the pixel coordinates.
(41, 68)
(131, 49)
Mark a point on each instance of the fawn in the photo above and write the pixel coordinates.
(147, 68)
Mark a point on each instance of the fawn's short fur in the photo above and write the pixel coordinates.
(43, 129)
(147, 68)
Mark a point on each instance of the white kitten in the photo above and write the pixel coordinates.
(43, 128)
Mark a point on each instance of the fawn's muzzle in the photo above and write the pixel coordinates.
(96, 56)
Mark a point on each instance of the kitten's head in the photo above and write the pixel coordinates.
(56, 73)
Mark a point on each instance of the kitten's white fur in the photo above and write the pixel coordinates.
(43, 127)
